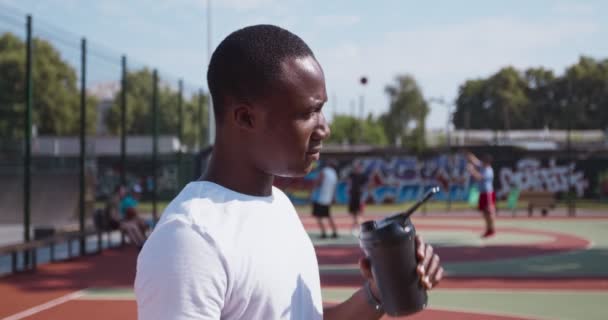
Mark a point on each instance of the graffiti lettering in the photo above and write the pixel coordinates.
(394, 180)
(530, 175)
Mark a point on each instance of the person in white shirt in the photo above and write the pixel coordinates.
(231, 245)
(323, 197)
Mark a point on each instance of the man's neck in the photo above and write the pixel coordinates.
(228, 168)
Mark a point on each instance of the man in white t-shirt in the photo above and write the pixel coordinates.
(323, 197)
(231, 246)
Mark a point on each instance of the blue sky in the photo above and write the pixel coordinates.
(441, 43)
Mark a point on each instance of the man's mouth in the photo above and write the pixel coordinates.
(314, 150)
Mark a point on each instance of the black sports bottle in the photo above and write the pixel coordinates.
(390, 245)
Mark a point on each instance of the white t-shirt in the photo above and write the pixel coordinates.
(219, 254)
(328, 186)
(487, 179)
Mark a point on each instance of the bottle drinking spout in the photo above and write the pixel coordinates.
(401, 217)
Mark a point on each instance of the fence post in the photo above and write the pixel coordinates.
(180, 110)
(155, 145)
(123, 122)
(180, 133)
(27, 161)
(83, 122)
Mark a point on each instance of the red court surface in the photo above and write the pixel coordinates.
(53, 292)
(90, 310)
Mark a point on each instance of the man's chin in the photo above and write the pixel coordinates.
(296, 172)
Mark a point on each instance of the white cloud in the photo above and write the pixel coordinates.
(239, 5)
(336, 20)
(244, 4)
(443, 57)
(573, 8)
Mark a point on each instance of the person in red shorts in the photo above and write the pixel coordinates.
(482, 172)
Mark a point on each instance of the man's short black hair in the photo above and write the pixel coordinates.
(247, 63)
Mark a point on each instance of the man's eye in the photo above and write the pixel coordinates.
(312, 113)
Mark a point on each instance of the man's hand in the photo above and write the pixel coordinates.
(429, 270)
(474, 172)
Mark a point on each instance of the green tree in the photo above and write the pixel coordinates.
(508, 100)
(56, 102)
(351, 130)
(471, 112)
(536, 99)
(583, 95)
(139, 117)
(541, 94)
(498, 103)
(404, 123)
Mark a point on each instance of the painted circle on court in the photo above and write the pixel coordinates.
(509, 243)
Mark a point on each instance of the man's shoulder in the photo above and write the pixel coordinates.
(280, 196)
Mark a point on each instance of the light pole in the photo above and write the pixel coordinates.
(448, 105)
(209, 100)
(363, 80)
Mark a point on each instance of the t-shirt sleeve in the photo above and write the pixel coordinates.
(180, 275)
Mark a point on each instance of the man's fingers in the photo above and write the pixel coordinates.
(428, 254)
(419, 247)
(365, 267)
(438, 277)
(420, 271)
(433, 269)
(430, 281)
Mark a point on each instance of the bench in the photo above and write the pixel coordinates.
(544, 200)
(29, 248)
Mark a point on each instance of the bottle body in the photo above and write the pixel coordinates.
(391, 249)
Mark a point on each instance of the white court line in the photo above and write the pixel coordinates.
(45, 306)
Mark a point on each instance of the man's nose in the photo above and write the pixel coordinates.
(322, 130)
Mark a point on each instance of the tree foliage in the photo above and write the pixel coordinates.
(536, 98)
(350, 130)
(139, 116)
(56, 96)
(404, 123)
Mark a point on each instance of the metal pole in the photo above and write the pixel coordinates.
(569, 116)
(27, 161)
(83, 117)
(180, 129)
(123, 123)
(155, 145)
(361, 107)
(569, 157)
(449, 146)
(467, 124)
(209, 99)
(200, 119)
(180, 112)
(334, 106)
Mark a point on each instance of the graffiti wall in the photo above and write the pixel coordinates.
(530, 174)
(393, 180)
(401, 179)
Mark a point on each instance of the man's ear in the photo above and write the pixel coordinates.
(243, 116)
(239, 114)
